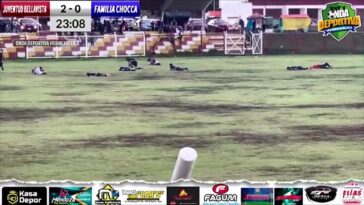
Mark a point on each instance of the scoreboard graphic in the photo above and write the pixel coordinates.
(70, 15)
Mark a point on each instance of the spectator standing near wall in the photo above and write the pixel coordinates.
(242, 25)
(1, 59)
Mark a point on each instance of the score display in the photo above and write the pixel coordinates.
(70, 16)
(75, 16)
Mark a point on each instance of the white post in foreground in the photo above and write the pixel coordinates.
(184, 165)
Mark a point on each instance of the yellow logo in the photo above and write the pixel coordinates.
(13, 197)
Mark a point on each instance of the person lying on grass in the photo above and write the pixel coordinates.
(317, 66)
(97, 74)
(176, 68)
(122, 68)
(38, 71)
(321, 66)
(296, 68)
(153, 61)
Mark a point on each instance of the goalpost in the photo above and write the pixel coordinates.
(238, 44)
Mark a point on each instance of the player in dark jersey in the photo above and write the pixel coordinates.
(176, 68)
(1, 59)
(153, 61)
(296, 68)
(97, 74)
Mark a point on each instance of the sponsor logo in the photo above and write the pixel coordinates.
(220, 196)
(220, 188)
(143, 196)
(321, 194)
(288, 196)
(257, 196)
(352, 194)
(338, 18)
(183, 195)
(24, 195)
(70, 195)
(107, 196)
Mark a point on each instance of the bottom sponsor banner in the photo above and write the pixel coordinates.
(70, 196)
(188, 192)
(24, 195)
(183, 195)
(288, 196)
(257, 196)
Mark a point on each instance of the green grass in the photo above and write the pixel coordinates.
(247, 117)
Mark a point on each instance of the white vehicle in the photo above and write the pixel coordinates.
(321, 191)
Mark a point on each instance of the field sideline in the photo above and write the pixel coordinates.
(247, 117)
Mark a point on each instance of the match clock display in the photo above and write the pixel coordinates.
(70, 16)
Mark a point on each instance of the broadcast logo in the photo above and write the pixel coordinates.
(220, 196)
(352, 194)
(257, 196)
(288, 196)
(183, 195)
(338, 19)
(321, 194)
(70, 196)
(107, 196)
(147, 196)
(24, 195)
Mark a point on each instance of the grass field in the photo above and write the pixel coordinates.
(247, 117)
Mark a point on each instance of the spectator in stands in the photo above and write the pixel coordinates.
(152, 25)
(159, 26)
(1, 59)
(124, 26)
(264, 24)
(254, 25)
(242, 25)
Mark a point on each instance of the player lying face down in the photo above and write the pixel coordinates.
(321, 66)
(38, 71)
(97, 74)
(122, 68)
(317, 66)
(176, 68)
(153, 61)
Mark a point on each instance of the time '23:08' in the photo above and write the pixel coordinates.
(74, 23)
